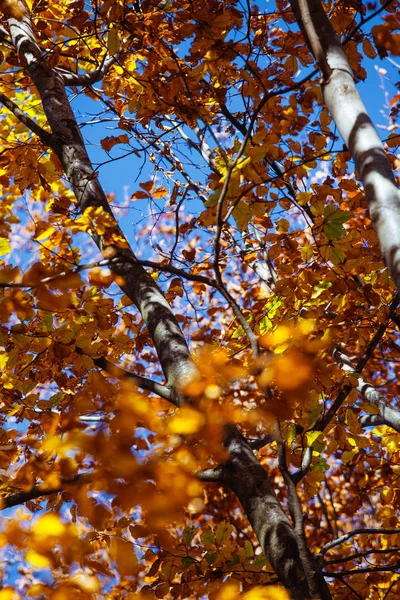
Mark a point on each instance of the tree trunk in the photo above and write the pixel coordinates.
(356, 128)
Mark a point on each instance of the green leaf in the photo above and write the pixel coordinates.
(187, 561)
(188, 535)
(223, 533)
(212, 199)
(113, 42)
(334, 219)
(260, 560)
(248, 549)
(312, 436)
(207, 537)
(5, 246)
(337, 256)
(211, 557)
(265, 325)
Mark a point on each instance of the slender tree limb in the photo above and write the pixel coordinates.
(41, 490)
(83, 79)
(167, 268)
(358, 531)
(305, 465)
(358, 555)
(42, 134)
(264, 440)
(142, 382)
(383, 568)
(212, 475)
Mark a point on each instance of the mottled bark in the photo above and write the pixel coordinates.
(356, 128)
(68, 144)
(244, 475)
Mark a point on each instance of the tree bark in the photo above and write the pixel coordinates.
(244, 475)
(68, 144)
(356, 128)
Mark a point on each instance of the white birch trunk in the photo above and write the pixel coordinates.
(356, 128)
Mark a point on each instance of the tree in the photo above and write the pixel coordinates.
(263, 462)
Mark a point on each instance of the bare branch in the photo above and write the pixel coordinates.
(83, 79)
(359, 531)
(42, 134)
(382, 568)
(142, 382)
(357, 555)
(41, 490)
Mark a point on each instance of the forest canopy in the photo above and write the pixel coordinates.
(199, 279)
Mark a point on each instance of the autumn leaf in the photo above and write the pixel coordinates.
(5, 246)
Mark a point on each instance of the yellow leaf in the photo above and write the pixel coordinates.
(274, 592)
(37, 560)
(281, 335)
(113, 42)
(160, 192)
(303, 197)
(186, 421)
(45, 233)
(5, 246)
(49, 524)
(9, 593)
(312, 436)
(3, 361)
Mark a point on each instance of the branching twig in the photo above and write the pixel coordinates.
(359, 531)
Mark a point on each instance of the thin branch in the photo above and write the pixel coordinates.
(142, 382)
(83, 79)
(179, 272)
(359, 531)
(305, 465)
(264, 440)
(389, 568)
(42, 490)
(53, 278)
(361, 555)
(45, 137)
